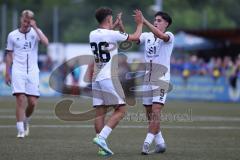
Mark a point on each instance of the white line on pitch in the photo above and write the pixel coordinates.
(194, 118)
(133, 127)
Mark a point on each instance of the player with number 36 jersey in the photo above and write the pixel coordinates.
(106, 88)
(104, 44)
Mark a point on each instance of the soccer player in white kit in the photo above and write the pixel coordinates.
(107, 91)
(158, 49)
(22, 71)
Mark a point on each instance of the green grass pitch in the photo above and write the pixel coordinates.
(192, 130)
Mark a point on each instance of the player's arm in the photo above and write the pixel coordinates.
(155, 31)
(42, 37)
(115, 24)
(121, 26)
(139, 20)
(8, 67)
(118, 23)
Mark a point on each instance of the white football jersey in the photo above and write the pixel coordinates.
(104, 45)
(25, 50)
(157, 51)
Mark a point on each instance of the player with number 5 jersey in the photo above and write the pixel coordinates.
(158, 49)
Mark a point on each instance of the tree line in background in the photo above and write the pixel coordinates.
(76, 17)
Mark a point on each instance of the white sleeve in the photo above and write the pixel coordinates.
(119, 36)
(171, 37)
(38, 38)
(9, 43)
(142, 37)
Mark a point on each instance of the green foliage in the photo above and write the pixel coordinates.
(194, 14)
(73, 33)
(76, 17)
(219, 20)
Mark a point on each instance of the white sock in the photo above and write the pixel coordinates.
(149, 138)
(20, 127)
(159, 139)
(105, 132)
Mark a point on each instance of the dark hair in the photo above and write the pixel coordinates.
(164, 16)
(102, 13)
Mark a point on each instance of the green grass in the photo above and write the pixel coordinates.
(210, 131)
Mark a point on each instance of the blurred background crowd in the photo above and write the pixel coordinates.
(207, 40)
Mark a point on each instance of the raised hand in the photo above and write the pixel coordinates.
(33, 23)
(138, 16)
(118, 23)
(119, 16)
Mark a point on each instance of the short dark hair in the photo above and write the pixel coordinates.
(164, 16)
(102, 13)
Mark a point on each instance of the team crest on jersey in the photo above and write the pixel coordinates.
(32, 37)
(148, 41)
(18, 39)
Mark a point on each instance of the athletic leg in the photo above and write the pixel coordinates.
(20, 113)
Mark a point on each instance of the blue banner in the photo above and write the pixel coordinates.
(204, 88)
(193, 88)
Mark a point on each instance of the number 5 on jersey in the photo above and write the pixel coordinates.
(100, 52)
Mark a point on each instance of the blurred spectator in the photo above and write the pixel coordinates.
(238, 66)
(203, 69)
(215, 66)
(234, 74)
(216, 71)
(45, 63)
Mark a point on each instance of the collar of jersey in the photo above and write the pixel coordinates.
(24, 32)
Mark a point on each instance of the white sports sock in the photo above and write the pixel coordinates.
(20, 126)
(149, 138)
(159, 139)
(105, 132)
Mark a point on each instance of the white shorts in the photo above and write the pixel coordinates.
(25, 83)
(153, 94)
(105, 93)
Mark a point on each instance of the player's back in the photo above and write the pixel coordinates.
(104, 46)
(102, 35)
